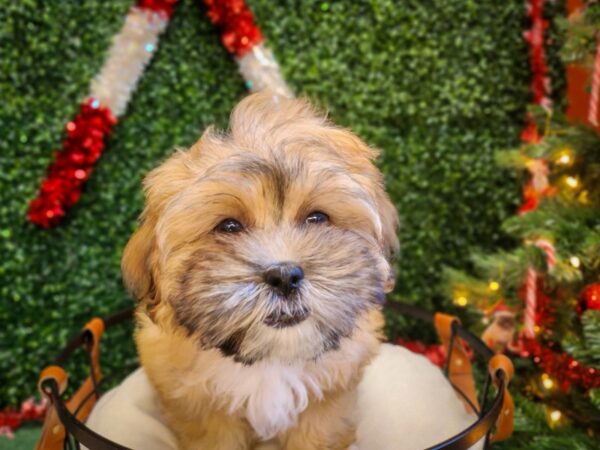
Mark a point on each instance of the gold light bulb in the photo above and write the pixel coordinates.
(575, 261)
(572, 182)
(461, 301)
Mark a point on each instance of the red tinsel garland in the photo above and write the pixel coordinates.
(540, 88)
(434, 353)
(561, 366)
(540, 83)
(159, 6)
(72, 164)
(10, 419)
(239, 32)
(84, 144)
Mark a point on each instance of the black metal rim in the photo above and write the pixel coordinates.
(480, 429)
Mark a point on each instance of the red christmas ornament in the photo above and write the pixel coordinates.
(73, 164)
(239, 33)
(590, 297)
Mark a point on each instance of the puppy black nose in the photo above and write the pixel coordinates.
(285, 277)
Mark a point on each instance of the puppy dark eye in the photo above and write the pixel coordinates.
(229, 226)
(317, 217)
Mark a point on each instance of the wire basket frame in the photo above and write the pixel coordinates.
(64, 427)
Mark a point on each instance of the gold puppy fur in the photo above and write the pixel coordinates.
(260, 265)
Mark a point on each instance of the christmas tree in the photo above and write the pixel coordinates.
(550, 280)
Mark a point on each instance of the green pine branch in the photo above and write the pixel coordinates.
(531, 430)
(581, 34)
(586, 348)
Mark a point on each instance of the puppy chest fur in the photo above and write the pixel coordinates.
(261, 264)
(269, 395)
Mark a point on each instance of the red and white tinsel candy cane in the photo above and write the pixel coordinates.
(593, 107)
(540, 88)
(242, 37)
(540, 81)
(538, 168)
(110, 91)
(531, 287)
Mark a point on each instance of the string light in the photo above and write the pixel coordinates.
(575, 261)
(461, 301)
(547, 382)
(494, 285)
(555, 415)
(572, 182)
(565, 157)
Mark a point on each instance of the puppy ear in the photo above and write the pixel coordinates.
(389, 225)
(389, 229)
(359, 158)
(136, 264)
(139, 265)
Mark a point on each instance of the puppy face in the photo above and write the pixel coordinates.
(267, 242)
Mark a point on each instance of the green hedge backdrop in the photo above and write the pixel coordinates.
(438, 85)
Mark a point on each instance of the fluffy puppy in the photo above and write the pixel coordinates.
(261, 263)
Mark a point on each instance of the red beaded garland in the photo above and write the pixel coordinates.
(72, 164)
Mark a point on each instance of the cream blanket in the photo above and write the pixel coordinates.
(404, 403)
